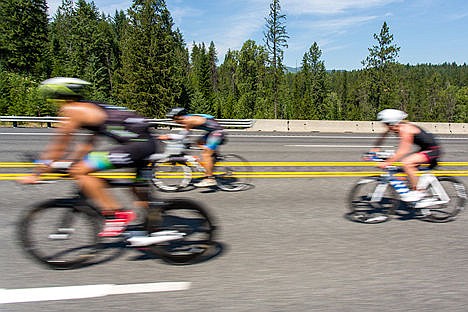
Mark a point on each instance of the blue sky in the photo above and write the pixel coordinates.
(428, 31)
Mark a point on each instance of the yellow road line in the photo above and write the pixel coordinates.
(273, 164)
(283, 174)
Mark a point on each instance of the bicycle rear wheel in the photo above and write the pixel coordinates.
(60, 235)
(190, 219)
(232, 172)
(446, 211)
(171, 176)
(371, 200)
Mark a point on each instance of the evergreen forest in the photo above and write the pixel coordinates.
(138, 58)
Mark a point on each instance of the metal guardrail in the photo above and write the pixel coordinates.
(16, 119)
(227, 123)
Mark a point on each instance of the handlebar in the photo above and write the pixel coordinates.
(378, 156)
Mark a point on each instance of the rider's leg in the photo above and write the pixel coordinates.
(410, 166)
(213, 140)
(94, 188)
(207, 161)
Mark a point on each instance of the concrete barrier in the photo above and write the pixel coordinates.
(434, 127)
(335, 126)
(269, 125)
(459, 128)
(330, 126)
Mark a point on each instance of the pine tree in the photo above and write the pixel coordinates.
(83, 44)
(250, 79)
(228, 93)
(314, 84)
(202, 80)
(276, 40)
(148, 79)
(23, 36)
(380, 65)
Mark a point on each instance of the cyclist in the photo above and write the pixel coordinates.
(210, 141)
(128, 129)
(428, 149)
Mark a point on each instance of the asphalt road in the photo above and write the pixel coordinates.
(286, 244)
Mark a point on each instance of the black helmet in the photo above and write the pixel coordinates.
(176, 111)
(63, 88)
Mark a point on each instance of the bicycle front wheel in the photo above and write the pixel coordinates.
(60, 235)
(192, 222)
(371, 200)
(171, 176)
(442, 210)
(232, 172)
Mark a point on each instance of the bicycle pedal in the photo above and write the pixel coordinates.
(167, 232)
(376, 219)
(155, 238)
(59, 236)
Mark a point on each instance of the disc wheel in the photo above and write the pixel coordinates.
(232, 172)
(171, 176)
(60, 235)
(190, 219)
(366, 207)
(444, 212)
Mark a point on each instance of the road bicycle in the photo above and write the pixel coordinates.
(175, 169)
(62, 233)
(375, 199)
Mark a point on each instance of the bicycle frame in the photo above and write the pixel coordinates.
(426, 181)
(429, 181)
(372, 202)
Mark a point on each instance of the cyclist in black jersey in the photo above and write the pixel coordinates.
(210, 141)
(127, 128)
(428, 148)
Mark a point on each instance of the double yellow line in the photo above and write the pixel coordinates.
(256, 174)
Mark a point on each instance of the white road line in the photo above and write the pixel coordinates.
(350, 136)
(85, 291)
(336, 145)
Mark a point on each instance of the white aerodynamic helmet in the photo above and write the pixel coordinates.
(391, 116)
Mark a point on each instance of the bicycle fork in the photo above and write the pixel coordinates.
(379, 192)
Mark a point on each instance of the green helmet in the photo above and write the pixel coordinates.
(63, 88)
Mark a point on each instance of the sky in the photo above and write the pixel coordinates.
(427, 31)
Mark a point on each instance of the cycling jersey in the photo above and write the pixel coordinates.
(215, 132)
(122, 125)
(425, 140)
(210, 123)
(428, 146)
(127, 128)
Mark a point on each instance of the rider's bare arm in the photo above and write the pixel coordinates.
(83, 148)
(379, 141)
(76, 115)
(193, 121)
(406, 134)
